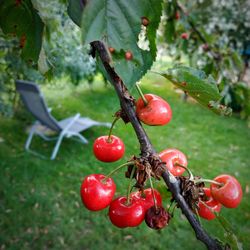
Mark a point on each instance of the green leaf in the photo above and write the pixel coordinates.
(184, 45)
(75, 9)
(19, 18)
(230, 236)
(117, 23)
(170, 31)
(237, 60)
(210, 38)
(202, 88)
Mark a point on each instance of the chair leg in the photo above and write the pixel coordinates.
(28, 142)
(56, 148)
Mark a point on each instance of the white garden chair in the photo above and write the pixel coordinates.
(69, 127)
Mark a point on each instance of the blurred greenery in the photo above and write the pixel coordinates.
(211, 36)
(40, 206)
(62, 54)
(12, 67)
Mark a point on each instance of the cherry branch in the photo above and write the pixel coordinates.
(127, 105)
(126, 100)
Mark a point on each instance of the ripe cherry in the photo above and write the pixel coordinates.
(123, 214)
(108, 149)
(177, 15)
(144, 21)
(172, 157)
(184, 36)
(97, 191)
(156, 112)
(128, 55)
(230, 194)
(207, 206)
(111, 50)
(146, 197)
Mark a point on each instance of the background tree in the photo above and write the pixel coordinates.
(212, 35)
(56, 52)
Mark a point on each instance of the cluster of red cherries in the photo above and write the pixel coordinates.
(98, 190)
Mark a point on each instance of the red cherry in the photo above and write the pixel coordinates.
(156, 112)
(177, 15)
(172, 156)
(111, 50)
(97, 193)
(230, 194)
(184, 36)
(207, 212)
(108, 151)
(146, 197)
(123, 215)
(128, 55)
(144, 21)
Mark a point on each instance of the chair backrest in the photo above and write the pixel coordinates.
(34, 102)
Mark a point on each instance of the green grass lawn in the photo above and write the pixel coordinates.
(40, 206)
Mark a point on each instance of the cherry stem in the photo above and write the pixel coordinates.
(153, 192)
(129, 186)
(111, 128)
(197, 214)
(170, 206)
(119, 167)
(191, 177)
(209, 208)
(173, 210)
(209, 181)
(141, 94)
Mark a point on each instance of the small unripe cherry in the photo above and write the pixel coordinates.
(184, 36)
(111, 50)
(22, 41)
(128, 55)
(205, 47)
(144, 21)
(18, 2)
(177, 15)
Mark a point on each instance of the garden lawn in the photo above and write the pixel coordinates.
(40, 206)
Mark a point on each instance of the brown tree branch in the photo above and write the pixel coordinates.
(147, 149)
